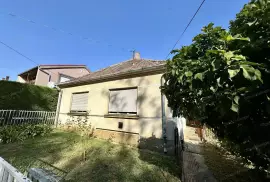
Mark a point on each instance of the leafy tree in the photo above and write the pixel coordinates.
(254, 22)
(210, 72)
(224, 78)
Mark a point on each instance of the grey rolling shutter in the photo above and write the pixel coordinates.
(123, 101)
(79, 102)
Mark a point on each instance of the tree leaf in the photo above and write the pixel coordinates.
(258, 75)
(236, 99)
(234, 107)
(248, 71)
(188, 73)
(215, 64)
(228, 55)
(251, 63)
(233, 73)
(239, 57)
(251, 23)
(218, 82)
(229, 38)
(180, 79)
(213, 89)
(199, 76)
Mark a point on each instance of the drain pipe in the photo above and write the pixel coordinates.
(58, 105)
(163, 116)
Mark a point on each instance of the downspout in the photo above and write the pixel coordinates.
(58, 105)
(163, 116)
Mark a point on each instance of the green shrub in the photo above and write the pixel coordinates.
(13, 133)
(20, 96)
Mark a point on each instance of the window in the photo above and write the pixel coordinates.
(123, 101)
(63, 79)
(79, 102)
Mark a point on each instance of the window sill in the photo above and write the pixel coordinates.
(78, 113)
(122, 116)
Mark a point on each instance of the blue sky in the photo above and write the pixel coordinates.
(114, 26)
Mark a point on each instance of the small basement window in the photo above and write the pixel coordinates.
(123, 101)
(79, 102)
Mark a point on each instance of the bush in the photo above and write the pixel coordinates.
(20, 96)
(14, 133)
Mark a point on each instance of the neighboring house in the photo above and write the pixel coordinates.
(122, 102)
(49, 75)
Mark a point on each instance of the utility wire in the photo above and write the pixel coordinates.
(86, 39)
(23, 55)
(186, 27)
(18, 52)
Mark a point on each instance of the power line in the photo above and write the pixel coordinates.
(186, 27)
(22, 55)
(86, 39)
(18, 52)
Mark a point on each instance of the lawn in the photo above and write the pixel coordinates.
(63, 152)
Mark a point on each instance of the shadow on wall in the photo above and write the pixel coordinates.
(153, 142)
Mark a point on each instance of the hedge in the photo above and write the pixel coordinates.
(20, 96)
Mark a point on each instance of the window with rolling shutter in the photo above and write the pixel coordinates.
(123, 101)
(79, 102)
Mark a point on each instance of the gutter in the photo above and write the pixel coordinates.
(164, 135)
(58, 106)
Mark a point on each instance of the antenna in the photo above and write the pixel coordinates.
(133, 53)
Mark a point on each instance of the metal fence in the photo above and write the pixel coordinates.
(16, 117)
(9, 174)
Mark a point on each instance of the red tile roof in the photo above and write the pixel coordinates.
(123, 68)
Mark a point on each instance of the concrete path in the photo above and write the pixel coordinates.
(194, 168)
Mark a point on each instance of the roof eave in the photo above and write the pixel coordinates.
(62, 67)
(128, 74)
(31, 69)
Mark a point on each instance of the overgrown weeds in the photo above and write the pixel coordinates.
(14, 133)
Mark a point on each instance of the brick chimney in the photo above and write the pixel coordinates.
(7, 78)
(136, 55)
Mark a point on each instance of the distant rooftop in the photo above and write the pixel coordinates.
(54, 66)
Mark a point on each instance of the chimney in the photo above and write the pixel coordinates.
(7, 78)
(136, 55)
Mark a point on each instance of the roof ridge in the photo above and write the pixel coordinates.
(62, 65)
(154, 60)
(141, 63)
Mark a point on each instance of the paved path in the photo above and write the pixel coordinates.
(194, 168)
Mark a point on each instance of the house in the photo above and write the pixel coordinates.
(123, 102)
(49, 75)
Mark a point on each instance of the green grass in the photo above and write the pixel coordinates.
(62, 152)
